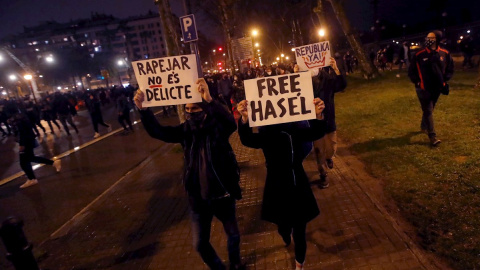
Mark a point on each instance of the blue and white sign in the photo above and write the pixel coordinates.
(189, 29)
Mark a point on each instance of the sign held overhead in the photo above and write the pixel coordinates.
(313, 56)
(168, 80)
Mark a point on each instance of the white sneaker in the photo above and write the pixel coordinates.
(298, 266)
(29, 183)
(96, 135)
(57, 164)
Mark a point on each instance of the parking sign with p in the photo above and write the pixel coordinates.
(189, 29)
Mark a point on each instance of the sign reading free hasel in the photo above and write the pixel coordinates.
(280, 99)
(168, 80)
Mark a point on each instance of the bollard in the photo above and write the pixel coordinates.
(19, 251)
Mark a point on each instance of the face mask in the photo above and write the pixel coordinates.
(429, 42)
(269, 73)
(195, 119)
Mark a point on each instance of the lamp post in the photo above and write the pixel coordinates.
(29, 79)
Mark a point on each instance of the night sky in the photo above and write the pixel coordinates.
(14, 14)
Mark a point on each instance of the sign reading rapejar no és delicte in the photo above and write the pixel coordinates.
(168, 80)
(280, 99)
(313, 56)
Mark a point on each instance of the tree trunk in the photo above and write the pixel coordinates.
(171, 40)
(368, 69)
(228, 37)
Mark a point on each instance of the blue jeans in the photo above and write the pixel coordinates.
(202, 213)
(427, 101)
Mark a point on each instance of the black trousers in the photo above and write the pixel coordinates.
(27, 157)
(202, 213)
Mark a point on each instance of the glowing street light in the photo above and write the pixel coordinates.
(278, 58)
(286, 57)
(282, 55)
(293, 49)
(321, 32)
(214, 50)
(120, 63)
(256, 44)
(28, 77)
(254, 32)
(12, 77)
(49, 59)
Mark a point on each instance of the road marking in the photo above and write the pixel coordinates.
(67, 153)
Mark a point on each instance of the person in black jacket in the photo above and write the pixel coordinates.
(63, 108)
(288, 200)
(93, 105)
(123, 110)
(430, 70)
(328, 82)
(27, 142)
(211, 174)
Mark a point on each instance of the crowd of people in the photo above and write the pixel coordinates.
(211, 173)
(22, 118)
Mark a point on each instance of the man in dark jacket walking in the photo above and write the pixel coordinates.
(211, 174)
(430, 70)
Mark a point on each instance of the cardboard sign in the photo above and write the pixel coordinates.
(168, 80)
(280, 99)
(313, 56)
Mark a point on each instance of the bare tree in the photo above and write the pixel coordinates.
(368, 69)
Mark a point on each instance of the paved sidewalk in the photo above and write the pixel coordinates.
(142, 223)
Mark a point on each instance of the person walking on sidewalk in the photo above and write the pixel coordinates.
(211, 174)
(328, 82)
(288, 200)
(93, 105)
(430, 70)
(27, 142)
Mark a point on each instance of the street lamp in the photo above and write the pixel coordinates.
(256, 44)
(49, 59)
(120, 63)
(29, 78)
(12, 77)
(321, 32)
(254, 32)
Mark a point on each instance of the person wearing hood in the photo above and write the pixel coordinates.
(430, 70)
(211, 174)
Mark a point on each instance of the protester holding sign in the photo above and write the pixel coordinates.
(328, 82)
(288, 200)
(211, 174)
